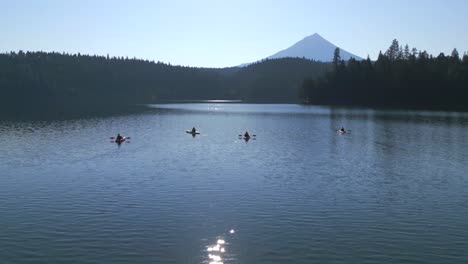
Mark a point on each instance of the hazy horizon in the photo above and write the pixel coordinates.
(219, 34)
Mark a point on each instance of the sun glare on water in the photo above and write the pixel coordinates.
(215, 252)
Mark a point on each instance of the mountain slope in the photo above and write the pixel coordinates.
(313, 47)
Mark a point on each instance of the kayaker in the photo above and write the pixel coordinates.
(342, 129)
(246, 135)
(194, 130)
(119, 137)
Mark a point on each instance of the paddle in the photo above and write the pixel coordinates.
(120, 142)
(346, 130)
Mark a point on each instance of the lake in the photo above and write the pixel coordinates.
(394, 189)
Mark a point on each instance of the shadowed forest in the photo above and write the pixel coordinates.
(400, 78)
(61, 83)
(54, 83)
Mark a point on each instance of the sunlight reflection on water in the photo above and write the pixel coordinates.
(216, 251)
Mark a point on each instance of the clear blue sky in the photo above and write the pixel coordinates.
(217, 33)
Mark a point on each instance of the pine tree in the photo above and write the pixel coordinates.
(414, 53)
(406, 52)
(393, 51)
(336, 58)
(441, 56)
(455, 55)
(400, 55)
(423, 55)
(380, 57)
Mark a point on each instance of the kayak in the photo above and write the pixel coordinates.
(341, 132)
(247, 138)
(121, 140)
(193, 133)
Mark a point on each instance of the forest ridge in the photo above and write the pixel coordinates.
(402, 78)
(50, 82)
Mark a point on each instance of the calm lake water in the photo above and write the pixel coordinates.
(392, 190)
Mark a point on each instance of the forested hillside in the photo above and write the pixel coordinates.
(39, 81)
(400, 78)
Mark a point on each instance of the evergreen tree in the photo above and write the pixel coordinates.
(423, 55)
(336, 58)
(393, 51)
(406, 52)
(455, 55)
(380, 57)
(400, 54)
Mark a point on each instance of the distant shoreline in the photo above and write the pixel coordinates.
(396, 108)
(204, 101)
(374, 107)
(80, 112)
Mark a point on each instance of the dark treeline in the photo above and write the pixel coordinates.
(54, 82)
(49, 82)
(275, 80)
(400, 78)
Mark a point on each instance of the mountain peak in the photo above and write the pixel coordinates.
(313, 47)
(315, 35)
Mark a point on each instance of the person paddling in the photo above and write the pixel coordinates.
(194, 130)
(246, 135)
(342, 130)
(118, 138)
